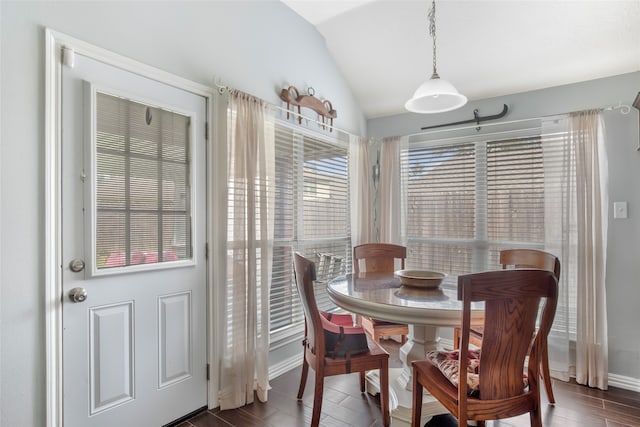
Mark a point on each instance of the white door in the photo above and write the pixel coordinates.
(133, 248)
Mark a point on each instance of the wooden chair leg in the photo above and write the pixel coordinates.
(317, 400)
(456, 338)
(362, 381)
(546, 376)
(462, 418)
(303, 377)
(416, 412)
(384, 393)
(535, 418)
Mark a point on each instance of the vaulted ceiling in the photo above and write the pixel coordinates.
(484, 48)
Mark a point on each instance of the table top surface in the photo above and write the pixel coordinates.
(382, 296)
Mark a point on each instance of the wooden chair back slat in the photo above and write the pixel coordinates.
(378, 257)
(512, 301)
(530, 258)
(313, 324)
(534, 258)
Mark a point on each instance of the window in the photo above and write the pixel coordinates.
(143, 190)
(311, 216)
(467, 201)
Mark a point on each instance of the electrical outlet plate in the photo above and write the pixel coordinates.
(620, 210)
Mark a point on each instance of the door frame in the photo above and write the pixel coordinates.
(215, 166)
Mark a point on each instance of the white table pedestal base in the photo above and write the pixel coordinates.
(421, 339)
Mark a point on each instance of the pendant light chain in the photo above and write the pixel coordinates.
(432, 33)
(435, 95)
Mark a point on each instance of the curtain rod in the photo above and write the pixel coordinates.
(223, 88)
(624, 109)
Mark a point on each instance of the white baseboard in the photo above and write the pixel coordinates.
(284, 366)
(626, 383)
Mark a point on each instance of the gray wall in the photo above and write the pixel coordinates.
(623, 246)
(257, 47)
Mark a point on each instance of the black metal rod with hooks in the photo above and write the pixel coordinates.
(476, 119)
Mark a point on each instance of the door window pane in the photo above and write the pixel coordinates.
(143, 184)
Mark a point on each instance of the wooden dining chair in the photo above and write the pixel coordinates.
(523, 258)
(492, 385)
(318, 356)
(380, 257)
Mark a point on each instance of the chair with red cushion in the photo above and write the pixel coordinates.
(326, 361)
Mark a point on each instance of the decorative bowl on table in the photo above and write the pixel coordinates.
(411, 293)
(420, 278)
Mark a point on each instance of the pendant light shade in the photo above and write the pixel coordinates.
(435, 95)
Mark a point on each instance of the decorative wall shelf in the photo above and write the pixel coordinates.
(292, 96)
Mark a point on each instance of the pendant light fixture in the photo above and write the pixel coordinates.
(435, 95)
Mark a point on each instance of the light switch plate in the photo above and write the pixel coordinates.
(620, 210)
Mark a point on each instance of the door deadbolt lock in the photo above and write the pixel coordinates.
(76, 265)
(78, 294)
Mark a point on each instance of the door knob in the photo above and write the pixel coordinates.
(78, 294)
(76, 265)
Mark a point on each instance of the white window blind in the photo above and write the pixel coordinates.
(143, 189)
(441, 197)
(312, 216)
(515, 195)
(467, 201)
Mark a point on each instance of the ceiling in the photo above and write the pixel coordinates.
(484, 48)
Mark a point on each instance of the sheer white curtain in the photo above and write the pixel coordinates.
(390, 191)
(251, 176)
(576, 231)
(361, 191)
(592, 201)
(561, 236)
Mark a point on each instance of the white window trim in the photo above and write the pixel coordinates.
(91, 237)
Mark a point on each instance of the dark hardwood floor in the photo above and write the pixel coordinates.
(344, 405)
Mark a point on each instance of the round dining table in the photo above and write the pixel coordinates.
(382, 296)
